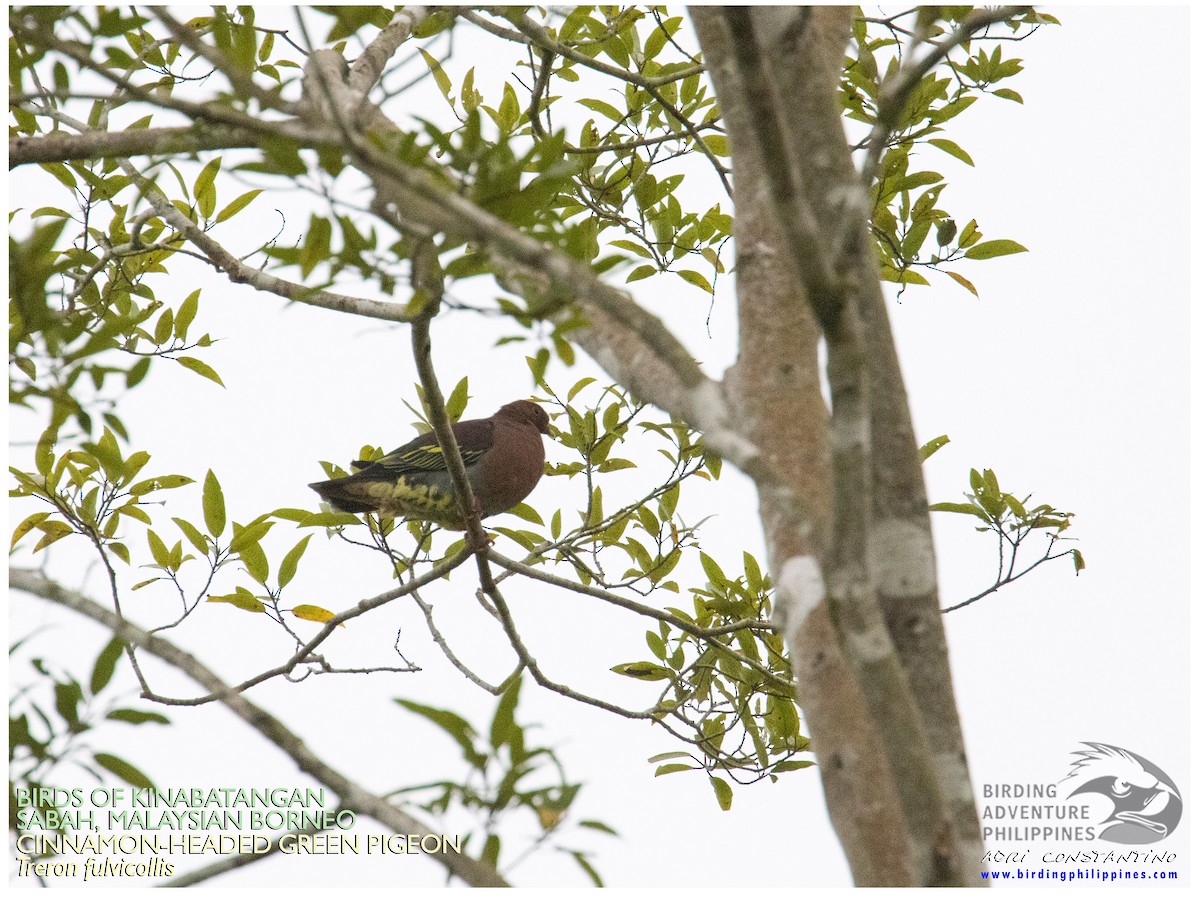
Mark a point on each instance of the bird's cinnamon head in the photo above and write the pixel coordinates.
(526, 413)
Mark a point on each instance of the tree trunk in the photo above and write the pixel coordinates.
(863, 625)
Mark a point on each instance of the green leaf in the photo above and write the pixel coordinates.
(1015, 505)
(579, 386)
(928, 449)
(615, 464)
(67, 697)
(200, 368)
(791, 765)
(25, 527)
(581, 858)
(439, 74)
(316, 245)
(454, 725)
(712, 570)
(991, 249)
(244, 535)
(670, 754)
(192, 533)
(165, 327)
(468, 95)
(632, 247)
(504, 721)
(597, 826)
(528, 513)
(214, 505)
(204, 190)
(970, 234)
(137, 716)
(991, 485)
(643, 671)
(241, 598)
(106, 664)
(510, 110)
(237, 205)
(123, 770)
(656, 645)
(968, 509)
(134, 463)
(434, 23)
(138, 370)
(287, 568)
(456, 403)
(723, 791)
(754, 579)
(330, 520)
(255, 561)
(159, 483)
(158, 549)
(671, 768)
(52, 531)
(1077, 557)
(953, 149)
(696, 279)
(605, 109)
(1008, 94)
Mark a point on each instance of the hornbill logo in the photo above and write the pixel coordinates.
(1146, 804)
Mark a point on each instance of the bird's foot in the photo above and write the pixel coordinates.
(481, 541)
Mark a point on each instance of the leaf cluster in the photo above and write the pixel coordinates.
(914, 234)
(501, 764)
(53, 720)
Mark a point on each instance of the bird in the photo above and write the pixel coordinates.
(504, 459)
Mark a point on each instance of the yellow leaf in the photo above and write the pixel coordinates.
(964, 282)
(242, 599)
(312, 613)
(548, 817)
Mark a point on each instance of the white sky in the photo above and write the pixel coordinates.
(1069, 377)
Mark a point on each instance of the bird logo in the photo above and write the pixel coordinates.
(1146, 806)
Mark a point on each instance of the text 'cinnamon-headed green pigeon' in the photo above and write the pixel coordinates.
(503, 455)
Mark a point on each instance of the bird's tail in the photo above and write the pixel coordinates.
(341, 494)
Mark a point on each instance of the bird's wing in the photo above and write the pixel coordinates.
(422, 454)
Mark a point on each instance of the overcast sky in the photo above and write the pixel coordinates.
(1069, 377)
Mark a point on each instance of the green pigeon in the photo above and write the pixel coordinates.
(503, 455)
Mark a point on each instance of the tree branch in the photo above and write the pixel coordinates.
(353, 796)
(541, 38)
(894, 93)
(530, 32)
(303, 654)
(368, 68)
(59, 146)
(239, 273)
(808, 250)
(241, 81)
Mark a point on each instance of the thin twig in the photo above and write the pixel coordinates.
(894, 93)
(352, 796)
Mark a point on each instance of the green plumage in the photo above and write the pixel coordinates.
(503, 456)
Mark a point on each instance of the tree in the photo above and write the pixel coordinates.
(514, 188)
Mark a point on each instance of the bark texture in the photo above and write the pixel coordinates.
(866, 639)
